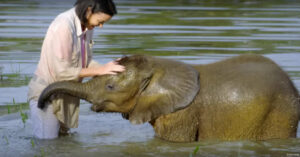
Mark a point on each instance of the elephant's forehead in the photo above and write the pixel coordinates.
(130, 72)
(125, 78)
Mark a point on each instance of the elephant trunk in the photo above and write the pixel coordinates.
(71, 88)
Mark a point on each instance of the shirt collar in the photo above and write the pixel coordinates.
(78, 25)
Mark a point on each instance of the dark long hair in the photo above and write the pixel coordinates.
(105, 6)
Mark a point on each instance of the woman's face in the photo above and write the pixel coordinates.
(96, 19)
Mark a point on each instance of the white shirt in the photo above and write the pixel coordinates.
(61, 50)
(61, 60)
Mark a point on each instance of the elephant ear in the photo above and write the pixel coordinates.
(173, 86)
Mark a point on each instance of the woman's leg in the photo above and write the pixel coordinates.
(45, 124)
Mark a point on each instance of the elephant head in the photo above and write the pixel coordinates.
(150, 87)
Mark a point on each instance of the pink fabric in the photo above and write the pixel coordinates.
(58, 59)
(83, 50)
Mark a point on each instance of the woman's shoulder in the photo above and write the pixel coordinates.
(64, 20)
(69, 14)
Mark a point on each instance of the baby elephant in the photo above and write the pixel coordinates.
(247, 97)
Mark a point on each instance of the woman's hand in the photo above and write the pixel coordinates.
(110, 68)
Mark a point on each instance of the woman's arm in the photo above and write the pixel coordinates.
(109, 68)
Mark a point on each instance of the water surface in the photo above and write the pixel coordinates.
(192, 31)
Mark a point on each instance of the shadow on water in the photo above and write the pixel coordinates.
(192, 31)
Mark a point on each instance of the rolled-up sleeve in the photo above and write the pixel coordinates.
(94, 63)
(60, 44)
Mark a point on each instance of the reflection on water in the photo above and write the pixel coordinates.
(192, 31)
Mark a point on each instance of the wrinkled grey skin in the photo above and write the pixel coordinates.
(245, 97)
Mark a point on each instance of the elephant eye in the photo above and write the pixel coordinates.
(110, 87)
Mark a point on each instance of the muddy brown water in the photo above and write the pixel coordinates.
(192, 31)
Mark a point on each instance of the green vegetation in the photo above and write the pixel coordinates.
(42, 151)
(13, 108)
(23, 115)
(195, 151)
(15, 79)
(8, 109)
(294, 74)
(32, 143)
(43, 154)
(24, 44)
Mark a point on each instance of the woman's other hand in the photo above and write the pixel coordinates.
(111, 68)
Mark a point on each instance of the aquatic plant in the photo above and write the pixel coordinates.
(14, 78)
(27, 78)
(43, 154)
(8, 109)
(1, 76)
(195, 151)
(32, 143)
(23, 115)
(13, 107)
(16, 71)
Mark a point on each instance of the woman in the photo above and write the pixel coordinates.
(66, 55)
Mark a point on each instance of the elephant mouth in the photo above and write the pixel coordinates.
(97, 108)
(100, 107)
